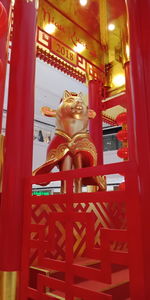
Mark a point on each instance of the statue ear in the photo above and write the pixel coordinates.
(66, 94)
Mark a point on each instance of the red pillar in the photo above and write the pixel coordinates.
(19, 133)
(139, 24)
(133, 202)
(95, 125)
(4, 43)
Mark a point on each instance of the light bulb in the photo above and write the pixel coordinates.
(83, 2)
(111, 27)
(79, 48)
(50, 28)
(119, 80)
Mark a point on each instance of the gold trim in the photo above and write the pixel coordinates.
(83, 144)
(101, 181)
(103, 22)
(92, 188)
(73, 137)
(56, 154)
(71, 145)
(55, 295)
(63, 134)
(77, 143)
(8, 285)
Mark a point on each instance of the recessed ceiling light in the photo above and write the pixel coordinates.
(111, 27)
(79, 48)
(50, 28)
(119, 80)
(83, 2)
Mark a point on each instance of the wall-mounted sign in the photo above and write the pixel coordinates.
(65, 53)
(68, 41)
(41, 193)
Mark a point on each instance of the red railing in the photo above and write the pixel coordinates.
(75, 246)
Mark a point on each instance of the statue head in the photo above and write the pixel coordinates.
(72, 105)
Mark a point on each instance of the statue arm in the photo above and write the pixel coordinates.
(48, 112)
(91, 114)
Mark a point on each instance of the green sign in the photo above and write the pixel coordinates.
(41, 193)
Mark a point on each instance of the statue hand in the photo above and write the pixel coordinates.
(91, 114)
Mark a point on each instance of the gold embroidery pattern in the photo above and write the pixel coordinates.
(86, 145)
(74, 137)
(56, 154)
(77, 143)
(63, 134)
(81, 145)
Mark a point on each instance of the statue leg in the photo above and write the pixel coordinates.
(65, 166)
(78, 165)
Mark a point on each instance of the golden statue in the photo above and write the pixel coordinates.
(71, 147)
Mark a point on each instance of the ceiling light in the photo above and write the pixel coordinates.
(83, 2)
(50, 28)
(79, 48)
(119, 80)
(111, 27)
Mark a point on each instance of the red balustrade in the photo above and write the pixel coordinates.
(75, 246)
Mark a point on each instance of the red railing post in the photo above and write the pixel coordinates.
(95, 125)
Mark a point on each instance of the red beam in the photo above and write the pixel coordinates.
(118, 100)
